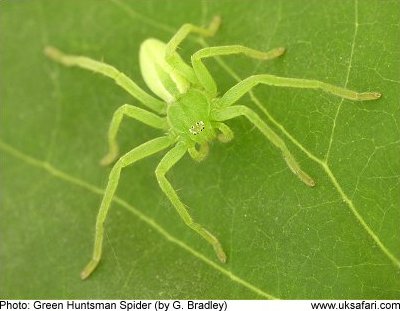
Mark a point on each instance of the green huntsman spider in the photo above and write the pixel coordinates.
(189, 113)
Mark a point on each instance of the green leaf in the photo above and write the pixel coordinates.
(284, 240)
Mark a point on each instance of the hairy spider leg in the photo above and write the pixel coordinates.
(109, 71)
(139, 114)
(204, 76)
(186, 29)
(142, 151)
(166, 163)
(237, 91)
(226, 134)
(228, 113)
(170, 50)
(201, 154)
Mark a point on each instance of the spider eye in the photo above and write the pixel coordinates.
(197, 128)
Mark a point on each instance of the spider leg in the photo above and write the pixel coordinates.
(204, 76)
(235, 111)
(166, 163)
(139, 114)
(109, 71)
(237, 91)
(226, 134)
(186, 29)
(138, 153)
(170, 50)
(201, 154)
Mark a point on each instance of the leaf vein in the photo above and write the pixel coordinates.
(149, 221)
(322, 162)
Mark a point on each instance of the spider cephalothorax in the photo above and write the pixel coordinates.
(192, 124)
(188, 111)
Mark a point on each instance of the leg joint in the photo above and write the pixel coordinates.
(160, 173)
(121, 109)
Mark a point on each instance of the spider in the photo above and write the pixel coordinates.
(188, 111)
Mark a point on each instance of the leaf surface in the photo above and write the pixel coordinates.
(284, 240)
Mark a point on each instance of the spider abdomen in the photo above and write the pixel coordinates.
(158, 74)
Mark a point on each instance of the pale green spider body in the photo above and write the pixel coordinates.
(164, 81)
(189, 107)
(189, 117)
(190, 114)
